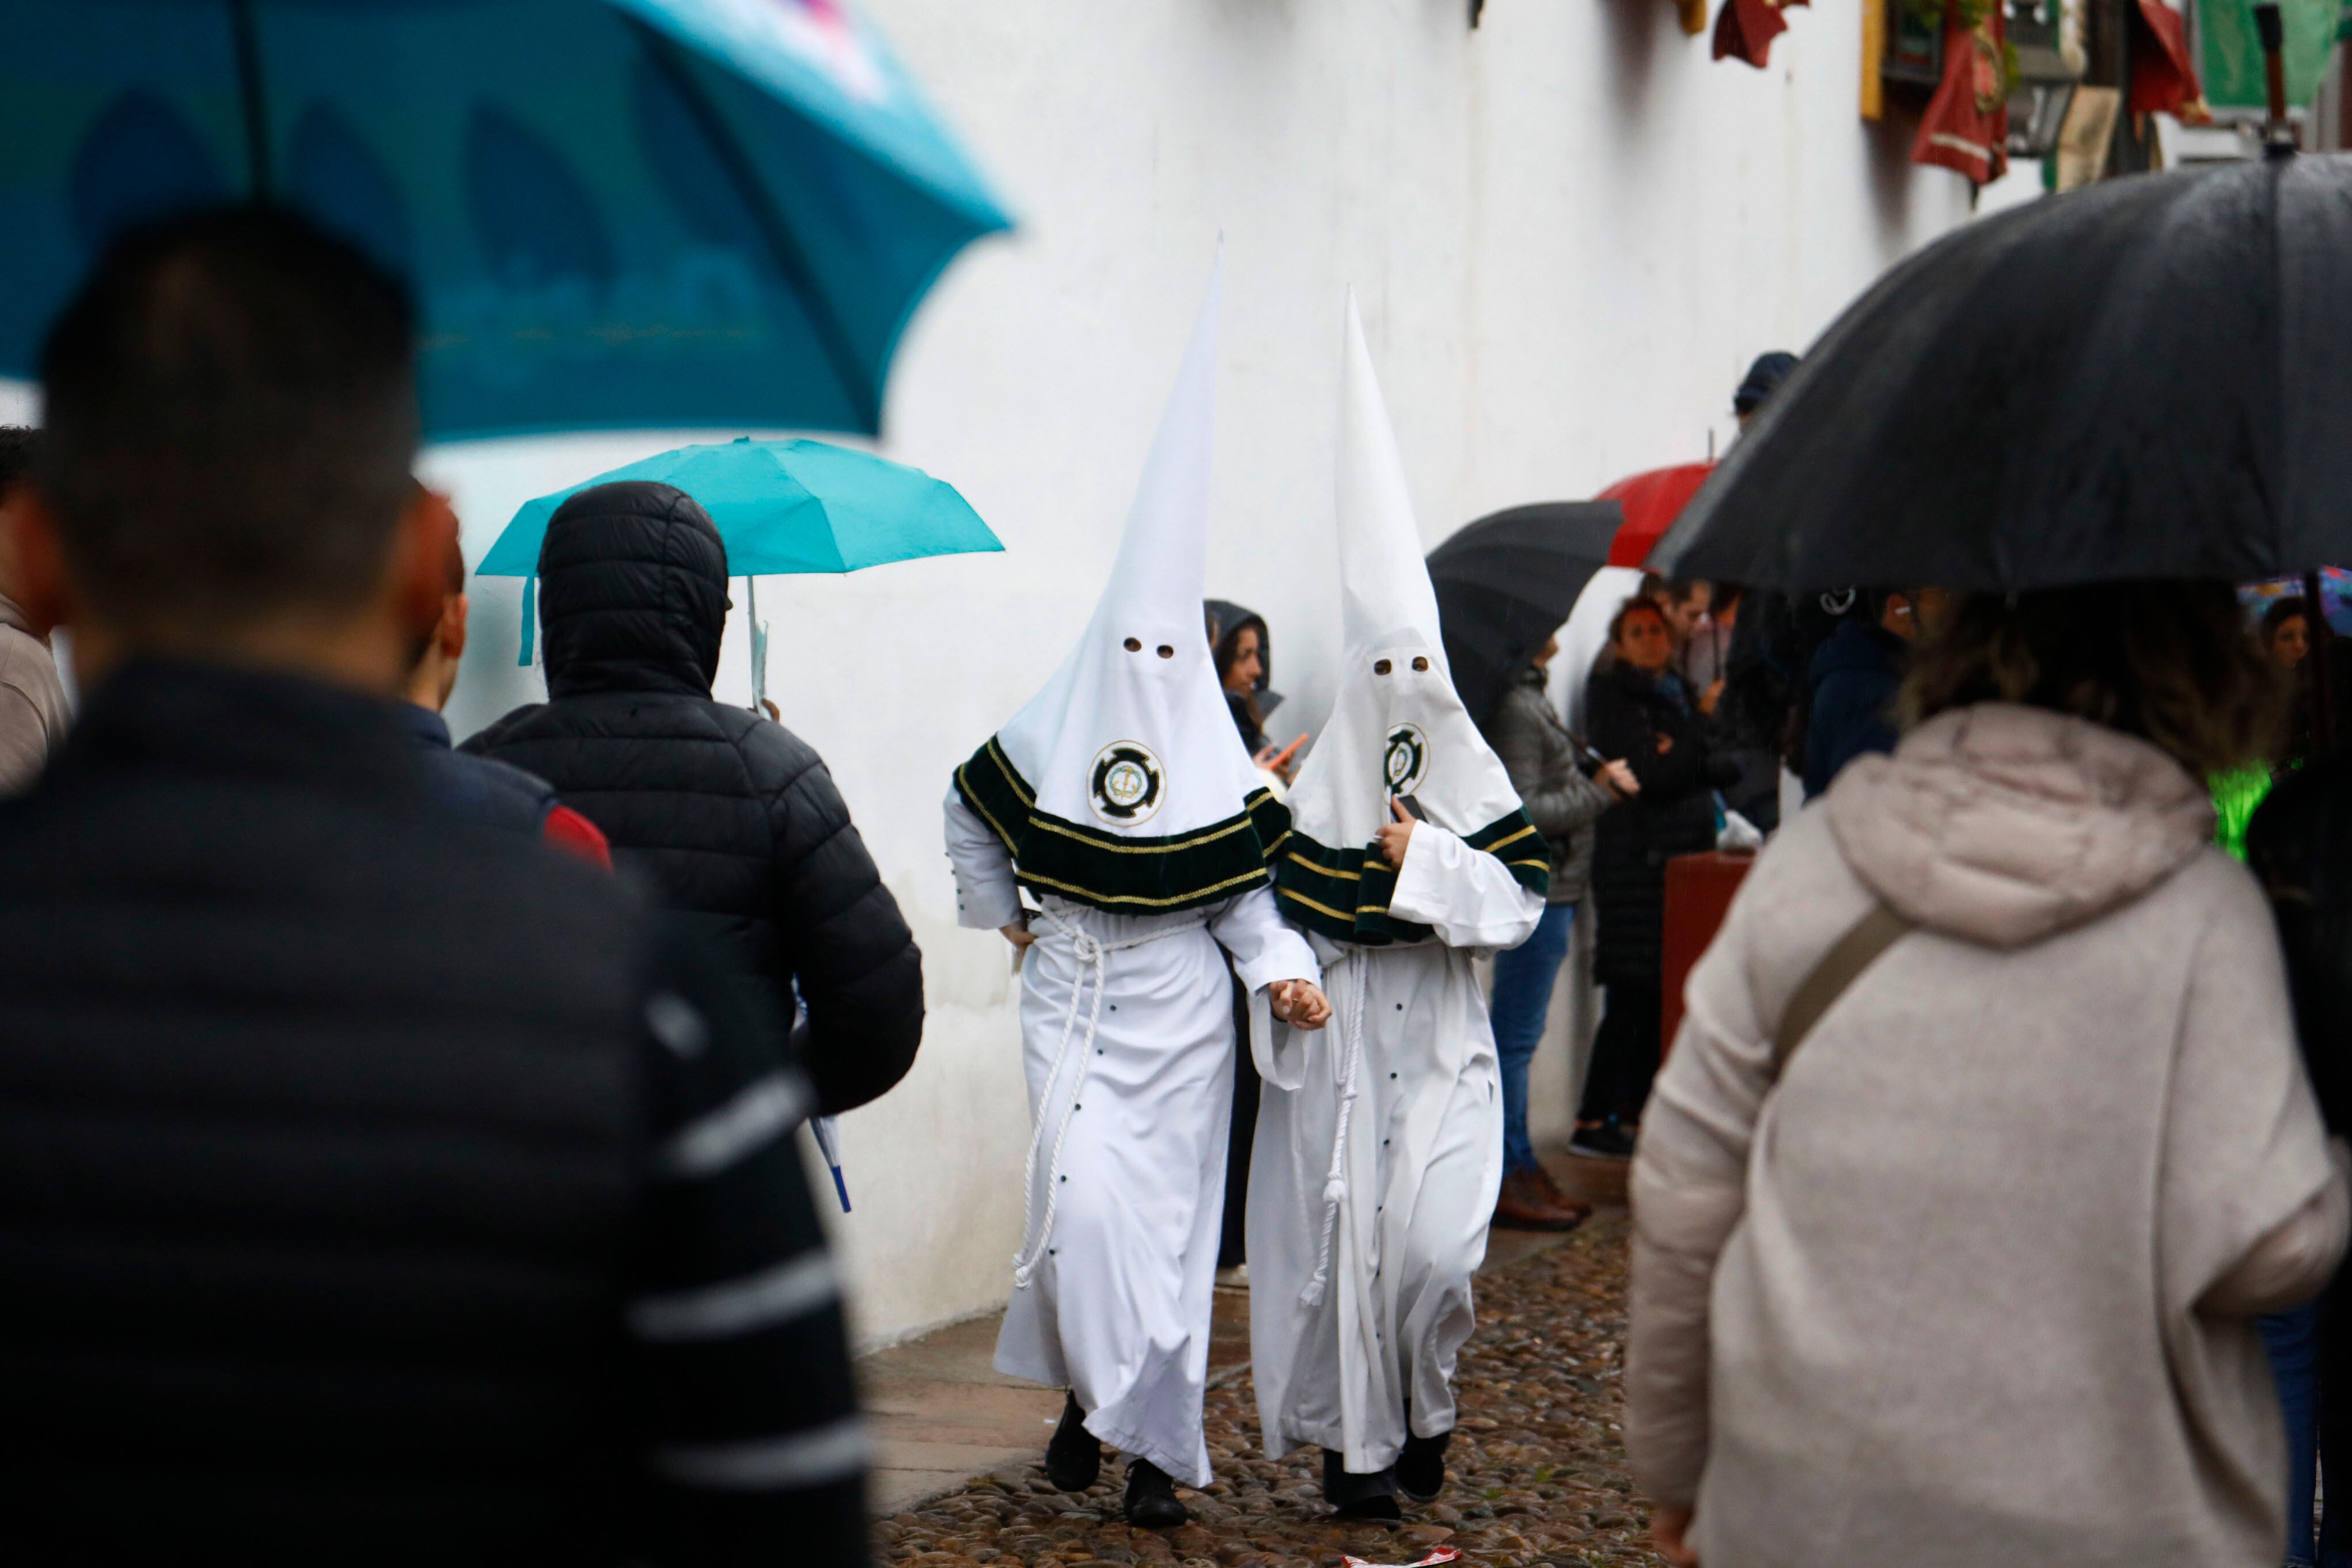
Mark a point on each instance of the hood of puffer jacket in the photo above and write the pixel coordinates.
(2005, 824)
(632, 591)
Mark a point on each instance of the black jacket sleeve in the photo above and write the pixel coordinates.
(753, 1447)
(1619, 726)
(842, 938)
(2300, 845)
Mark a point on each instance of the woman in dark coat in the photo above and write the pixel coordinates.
(1636, 709)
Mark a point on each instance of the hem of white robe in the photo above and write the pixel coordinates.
(1299, 1437)
(1193, 1472)
(1014, 1366)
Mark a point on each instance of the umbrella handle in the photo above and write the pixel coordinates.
(2278, 137)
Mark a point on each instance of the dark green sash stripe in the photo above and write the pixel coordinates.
(1345, 894)
(1122, 875)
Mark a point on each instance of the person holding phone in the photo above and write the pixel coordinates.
(1245, 655)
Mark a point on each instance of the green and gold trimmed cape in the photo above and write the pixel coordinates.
(1344, 893)
(1121, 875)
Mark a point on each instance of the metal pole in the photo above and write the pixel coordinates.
(251, 97)
(2278, 136)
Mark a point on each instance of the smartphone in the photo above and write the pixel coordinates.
(1413, 806)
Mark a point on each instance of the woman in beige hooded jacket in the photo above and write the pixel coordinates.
(1972, 1284)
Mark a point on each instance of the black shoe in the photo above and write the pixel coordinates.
(1420, 1468)
(1355, 1495)
(1602, 1141)
(1152, 1498)
(1072, 1459)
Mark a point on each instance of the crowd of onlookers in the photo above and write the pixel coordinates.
(374, 1184)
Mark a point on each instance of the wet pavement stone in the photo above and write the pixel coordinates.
(1536, 1474)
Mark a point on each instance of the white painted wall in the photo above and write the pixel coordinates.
(1570, 231)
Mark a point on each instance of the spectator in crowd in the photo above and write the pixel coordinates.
(730, 819)
(1763, 379)
(2297, 846)
(2286, 632)
(1244, 658)
(1762, 662)
(1684, 605)
(1734, 734)
(1636, 711)
(381, 1189)
(1855, 676)
(1243, 654)
(1964, 944)
(477, 787)
(33, 712)
(1704, 657)
(1564, 803)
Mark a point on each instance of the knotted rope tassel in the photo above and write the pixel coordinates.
(1334, 1183)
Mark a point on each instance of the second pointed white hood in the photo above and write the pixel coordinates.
(1397, 726)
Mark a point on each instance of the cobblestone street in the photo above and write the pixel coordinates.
(1536, 1473)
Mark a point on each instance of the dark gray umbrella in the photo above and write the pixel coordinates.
(1506, 582)
(2151, 378)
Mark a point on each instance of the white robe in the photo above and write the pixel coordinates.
(1422, 1164)
(1117, 1307)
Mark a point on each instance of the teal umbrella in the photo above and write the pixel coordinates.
(613, 213)
(784, 508)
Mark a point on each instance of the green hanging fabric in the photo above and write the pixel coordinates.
(2235, 798)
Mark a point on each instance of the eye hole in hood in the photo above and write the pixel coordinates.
(633, 591)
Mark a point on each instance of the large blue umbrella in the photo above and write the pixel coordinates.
(782, 507)
(613, 213)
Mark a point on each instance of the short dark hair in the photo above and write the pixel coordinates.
(2282, 610)
(1640, 604)
(231, 405)
(2168, 662)
(18, 448)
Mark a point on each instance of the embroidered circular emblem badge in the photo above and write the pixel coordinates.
(1125, 785)
(1407, 759)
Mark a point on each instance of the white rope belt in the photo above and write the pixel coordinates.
(1089, 951)
(1334, 1183)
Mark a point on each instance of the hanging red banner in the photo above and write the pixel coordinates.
(1967, 124)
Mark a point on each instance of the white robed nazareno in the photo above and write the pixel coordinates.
(1380, 1140)
(1122, 799)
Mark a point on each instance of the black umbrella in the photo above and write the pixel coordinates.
(2151, 378)
(1506, 582)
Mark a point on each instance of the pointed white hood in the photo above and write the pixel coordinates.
(1131, 742)
(1126, 737)
(1397, 727)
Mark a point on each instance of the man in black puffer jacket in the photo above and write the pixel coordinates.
(724, 817)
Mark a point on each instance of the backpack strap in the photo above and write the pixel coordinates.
(1840, 967)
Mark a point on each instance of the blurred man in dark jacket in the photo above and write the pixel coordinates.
(375, 1187)
(724, 816)
(476, 787)
(1855, 676)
